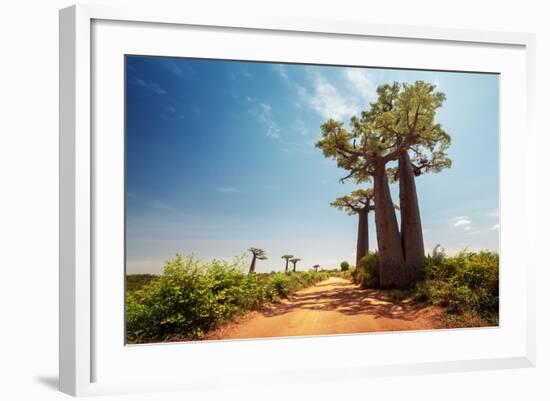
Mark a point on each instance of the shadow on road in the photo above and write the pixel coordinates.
(348, 299)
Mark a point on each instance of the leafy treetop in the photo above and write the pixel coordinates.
(358, 200)
(401, 119)
(258, 253)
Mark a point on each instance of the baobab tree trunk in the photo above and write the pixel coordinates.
(411, 224)
(253, 264)
(294, 267)
(391, 262)
(362, 235)
(286, 266)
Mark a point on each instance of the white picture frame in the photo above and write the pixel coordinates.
(79, 318)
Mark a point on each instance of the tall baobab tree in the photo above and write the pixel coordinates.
(294, 261)
(257, 253)
(401, 119)
(359, 202)
(428, 152)
(367, 161)
(316, 267)
(287, 257)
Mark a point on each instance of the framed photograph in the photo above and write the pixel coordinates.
(235, 194)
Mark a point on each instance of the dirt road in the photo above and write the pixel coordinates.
(334, 306)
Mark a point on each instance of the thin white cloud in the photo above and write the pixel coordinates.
(151, 86)
(159, 205)
(332, 100)
(327, 100)
(461, 222)
(281, 71)
(228, 190)
(360, 82)
(179, 69)
(176, 70)
(495, 227)
(263, 113)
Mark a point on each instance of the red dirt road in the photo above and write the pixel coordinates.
(334, 306)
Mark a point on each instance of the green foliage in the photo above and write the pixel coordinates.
(401, 119)
(344, 266)
(366, 274)
(347, 274)
(465, 285)
(192, 297)
(355, 202)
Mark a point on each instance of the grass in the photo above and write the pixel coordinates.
(192, 297)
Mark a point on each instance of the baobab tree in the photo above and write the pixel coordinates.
(257, 253)
(367, 160)
(287, 257)
(360, 202)
(316, 267)
(401, 119)
(294, 261)
(428, 151)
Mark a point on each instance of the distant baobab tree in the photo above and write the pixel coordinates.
(257, 253)
(287, 257)
(294, 261)
(360, 202)
(316, 267)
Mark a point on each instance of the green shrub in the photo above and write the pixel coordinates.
(347, 274)
(192, 297)
(344, 266)
(466, 284)
(366, 274)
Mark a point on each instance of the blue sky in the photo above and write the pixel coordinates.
(221, 157)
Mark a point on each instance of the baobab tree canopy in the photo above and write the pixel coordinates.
(402, 118)
(287, 258)
(258, 253)
(355, 202)
(392, 114)
(294, 261)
